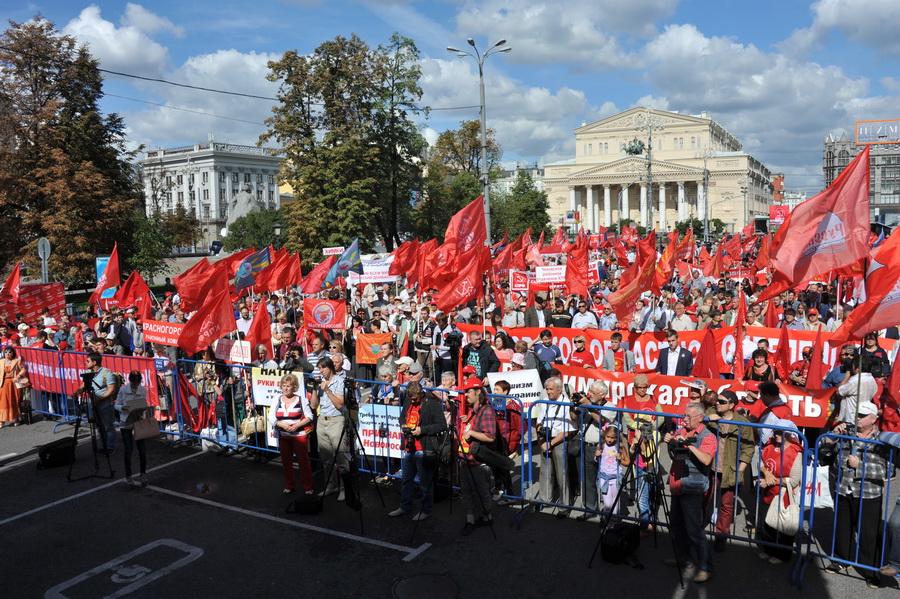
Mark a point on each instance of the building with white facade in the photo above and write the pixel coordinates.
(792, 198)
(507, 178)
(204, 178)
(695, 167)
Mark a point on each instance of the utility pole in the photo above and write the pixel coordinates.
(706, 155)
(647, 122)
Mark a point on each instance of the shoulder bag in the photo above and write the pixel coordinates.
(146, 428)
(783, 514)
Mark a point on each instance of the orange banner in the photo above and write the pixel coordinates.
(368, 347)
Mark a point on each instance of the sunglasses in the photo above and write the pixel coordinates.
(579, 341)
(641, 386)
(722, 402)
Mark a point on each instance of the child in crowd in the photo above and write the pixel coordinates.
(613, 459)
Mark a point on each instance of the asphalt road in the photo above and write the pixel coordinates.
(214, 526)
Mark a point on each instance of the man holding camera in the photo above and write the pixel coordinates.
(102, 387)
(692, 448)
(860, 388)
(554, 429)
(333, 443)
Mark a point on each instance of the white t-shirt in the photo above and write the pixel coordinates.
(867, 388)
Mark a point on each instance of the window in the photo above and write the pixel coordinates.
(180, 180)
(191, 179)
(169, 198)
(271, 179)
(223, 208)
(259, 178)
(222, 176)
(590, 149)
(605, 147)
(181, 197)
(234, 178)
(168, 180)
(259, 195)
(271, 196)
(206, 194)
(191, 196)
(693, 142)
(206, 211)
(221, 193)
(205, 177)
(246, 177)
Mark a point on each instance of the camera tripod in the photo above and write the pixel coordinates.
(96, 427)
(630, 476)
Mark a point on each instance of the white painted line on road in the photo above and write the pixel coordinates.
(135, 574)
(411, 552)
(6, 456)
(92, 490)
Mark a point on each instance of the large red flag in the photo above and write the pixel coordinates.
(706, 364)
(716, 265)
(260, 331)
(623, 299)
(771, 318)
(882, 306)
(783, 354)
(560, 242)
(890, 401)
(740, 330)
(686, 247)
(666, 265)
(212, 321)
(827, 231)
(135, 291)
(404, 258)
(815, 376)
(110, 276)
(467, 228)
(762, 258)
(577, 268)
(467, 285)
(12, 285)
(314, 279)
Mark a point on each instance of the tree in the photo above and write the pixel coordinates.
(459, 150)
(400, 143)
(181, 226)
(324, 123)
(523, 207)
(255, 230)
(716, 226)
(65, 173)
(152, 246)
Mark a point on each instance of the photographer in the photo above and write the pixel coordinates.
(478, 426)
(588, 423)
(446, 345)
(102, 387)
(422, 420)
(329, 400)
(692, 449)
(859, 388)
(554, 429)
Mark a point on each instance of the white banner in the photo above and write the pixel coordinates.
(333, 251)
(266, 385)
(375, 270)
(524, 385)
(379, 429)
(233, 351)
(550, 274)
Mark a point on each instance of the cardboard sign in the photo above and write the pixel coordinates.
(164, 333)
(231, 350)
(594, 272)
(333, 251)
(379, 429)
(266, 385)
(550, 274)
(524, 385)
(518, 281)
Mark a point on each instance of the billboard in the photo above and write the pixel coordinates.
(875, 132)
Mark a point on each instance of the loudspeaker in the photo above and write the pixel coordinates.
(620, 542)
(56, 453)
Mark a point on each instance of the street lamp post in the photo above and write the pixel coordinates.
(645, 121)
(485, 175)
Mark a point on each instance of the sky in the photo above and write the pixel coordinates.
(778, 74)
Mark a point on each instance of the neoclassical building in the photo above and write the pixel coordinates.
(695, 165)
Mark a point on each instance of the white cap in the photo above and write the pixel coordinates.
(867, 408)
(404, 360)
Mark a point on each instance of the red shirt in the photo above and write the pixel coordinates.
(412, 421)
(583, 358)
(619, 360)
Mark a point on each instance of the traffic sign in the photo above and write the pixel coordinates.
(43, 248)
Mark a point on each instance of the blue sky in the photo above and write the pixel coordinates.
(779, 75)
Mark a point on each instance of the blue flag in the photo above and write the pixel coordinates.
(250, 267)
(349, 261)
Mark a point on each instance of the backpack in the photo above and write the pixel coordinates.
(509, 428)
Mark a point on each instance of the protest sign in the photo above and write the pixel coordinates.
(518, 281)
(550, 274)
(524, 385)
(379, 429)
(164, 333)
(232, 350)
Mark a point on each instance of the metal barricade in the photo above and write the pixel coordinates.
(850, 538)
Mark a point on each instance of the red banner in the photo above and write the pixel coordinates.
(646, 346)
(34, 298)
(324, 314)
(164, 333)
(60, 372)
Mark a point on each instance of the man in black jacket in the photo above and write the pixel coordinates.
(537, 315)
(422, 422)
(674, 360)
(480, 356)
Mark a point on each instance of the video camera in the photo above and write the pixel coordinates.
(678, 447)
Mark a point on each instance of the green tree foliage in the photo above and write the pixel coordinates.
(255, 230)
(351, 148)
(64, 170)
(152, 246)
(522, 207)
(716, 227)
(182, 227)
(452, 178)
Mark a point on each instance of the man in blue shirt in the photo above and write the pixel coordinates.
(835, 377)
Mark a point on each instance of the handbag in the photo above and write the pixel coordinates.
(252, 425)
(146, 428)
(784, 518)
(492, 458)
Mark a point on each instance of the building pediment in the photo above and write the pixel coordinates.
(631, 119)
(634, 168)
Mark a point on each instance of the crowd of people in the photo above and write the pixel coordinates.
(720, 450)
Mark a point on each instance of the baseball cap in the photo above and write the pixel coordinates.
(518, 359)
(404, 360)
(812, 311)
(472, 382)
(867, 408)
(415, 368)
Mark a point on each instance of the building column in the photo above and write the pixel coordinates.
(682, 205)
(607, 207)
(573, 200)
(701, 200)
(214, 194)
(591, 198)
(643, 206)
(662, 207)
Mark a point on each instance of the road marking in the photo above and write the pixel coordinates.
(6, 456)
(411, 552)
(135, 574)
(93, 490)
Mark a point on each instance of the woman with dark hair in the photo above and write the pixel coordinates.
(760, 370)
(13, 378)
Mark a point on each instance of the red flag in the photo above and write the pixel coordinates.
(623, 299)
(440, 266)
(686, 247)
(212, 321)
(185, 392)
(783, 355)
(890, 401)
(716, 265)
(314, 279)
(424, 251)
(234, 261)
(135, 291)
(260, 331)
(13, 285)
(560, 242)
(110, 276)
(577, 269)
(466, 228)
(467, 285)
(740, 330)
(502, 243)
(771, 319)
(827, 231)
(706, 364)
(762, 258)
(703, 257)
(817, 372)
(404, 258)
(882, 284)
(533, 255)
(324, 314)
(666, 265)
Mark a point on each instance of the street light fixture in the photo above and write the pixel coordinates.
(479, 58)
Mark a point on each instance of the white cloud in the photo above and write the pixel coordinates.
(142, 19)
(870, 22)
(126, 48)
(580, 33)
